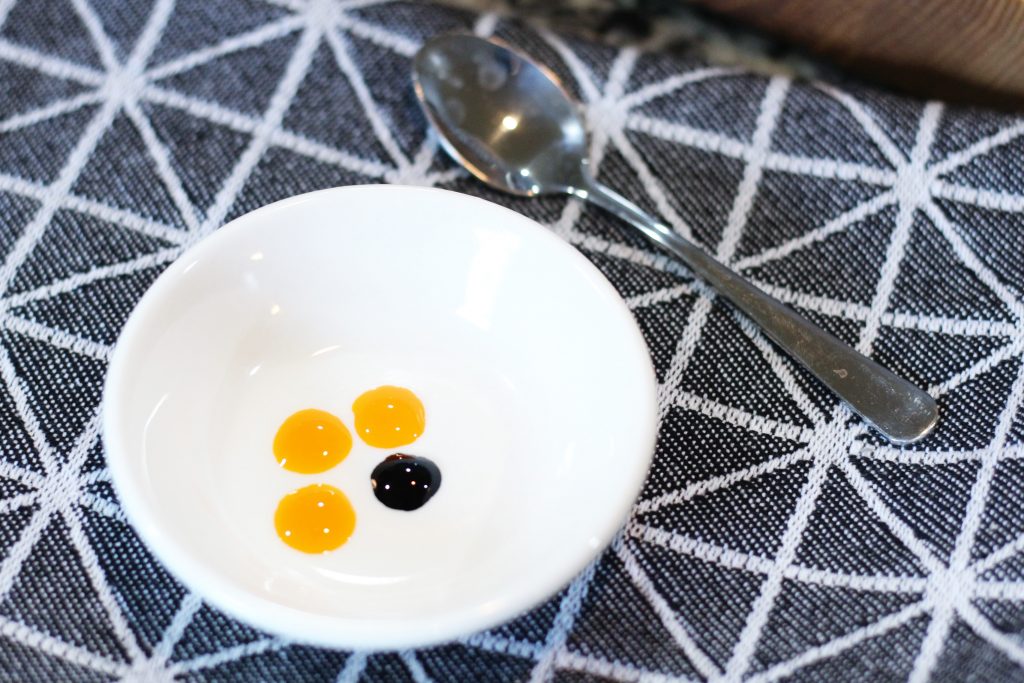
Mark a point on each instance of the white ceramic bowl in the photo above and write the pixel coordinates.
(538, 388)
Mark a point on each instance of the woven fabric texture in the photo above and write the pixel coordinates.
(776, 538)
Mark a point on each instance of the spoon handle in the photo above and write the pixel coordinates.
(900, 411)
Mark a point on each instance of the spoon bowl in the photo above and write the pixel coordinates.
(508, 121)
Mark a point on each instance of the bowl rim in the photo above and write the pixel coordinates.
(296, 625)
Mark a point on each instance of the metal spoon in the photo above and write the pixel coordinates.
(509, 122)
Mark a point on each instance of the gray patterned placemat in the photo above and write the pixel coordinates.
(775, 538)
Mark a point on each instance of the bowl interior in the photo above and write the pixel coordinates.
(537, 386)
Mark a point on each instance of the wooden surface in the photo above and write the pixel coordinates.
(964, 50)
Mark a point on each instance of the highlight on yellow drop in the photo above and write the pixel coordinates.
(388, 417)
(315, 519)
(320, 518)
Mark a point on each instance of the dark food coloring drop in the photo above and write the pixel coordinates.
(405, 482)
